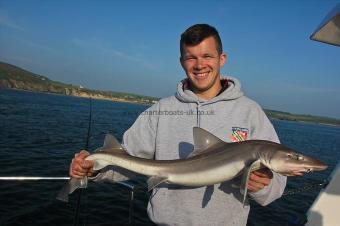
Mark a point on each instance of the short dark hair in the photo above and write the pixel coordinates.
(195, 34)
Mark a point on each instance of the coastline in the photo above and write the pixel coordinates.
(147, 102)
(85, 95)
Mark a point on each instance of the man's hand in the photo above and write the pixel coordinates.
(259, 179)
(80, 167)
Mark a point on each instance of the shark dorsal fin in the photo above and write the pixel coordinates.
(203, 140)
(111, 142)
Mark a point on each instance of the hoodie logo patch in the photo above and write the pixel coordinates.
(239, 134)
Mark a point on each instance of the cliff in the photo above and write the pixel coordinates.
(13, 77)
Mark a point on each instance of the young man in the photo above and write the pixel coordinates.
(165, 132)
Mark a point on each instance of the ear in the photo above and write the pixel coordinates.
(181, 61)
(223, 59)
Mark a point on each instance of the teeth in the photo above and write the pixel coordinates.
(201, 75)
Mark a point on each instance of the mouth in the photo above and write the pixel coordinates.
(301, 172)
(316, 165)
(201, 75)
(310, 169)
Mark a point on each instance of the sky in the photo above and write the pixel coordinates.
(133, 46)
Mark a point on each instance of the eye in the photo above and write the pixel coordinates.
(298, 157)
(207, 56)
(188, 57)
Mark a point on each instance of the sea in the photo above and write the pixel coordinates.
(40, 133)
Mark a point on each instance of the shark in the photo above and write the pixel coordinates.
(212, 161)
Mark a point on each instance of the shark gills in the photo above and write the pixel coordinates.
(212, 161)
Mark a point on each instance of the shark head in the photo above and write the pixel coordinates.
(291, 163)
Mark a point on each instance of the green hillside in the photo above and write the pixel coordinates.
(301, 118)
(13, 77)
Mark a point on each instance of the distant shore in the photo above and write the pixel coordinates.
(13, 77)
(272, 114)
(96, 97)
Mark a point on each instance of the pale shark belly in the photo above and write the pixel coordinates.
(209, 176)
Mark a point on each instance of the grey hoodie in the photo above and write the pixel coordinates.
(165, 132)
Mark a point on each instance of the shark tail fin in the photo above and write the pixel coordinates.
(72, 185)
(111, 144)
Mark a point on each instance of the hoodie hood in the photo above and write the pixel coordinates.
(233, 91)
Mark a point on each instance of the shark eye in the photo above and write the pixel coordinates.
(300, 157)
(296, 156)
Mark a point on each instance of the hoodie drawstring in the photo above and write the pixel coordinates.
(198, 117)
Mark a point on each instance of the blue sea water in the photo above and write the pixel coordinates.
(39, 134)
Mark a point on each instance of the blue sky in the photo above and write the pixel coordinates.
(133, 46)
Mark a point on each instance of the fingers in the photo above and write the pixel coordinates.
(265, 173)
(258, 180)
(92, 173)
(82, 154)
(80, 167)
(254, 187)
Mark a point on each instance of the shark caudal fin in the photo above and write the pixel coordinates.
(111, 144)
(70, 187)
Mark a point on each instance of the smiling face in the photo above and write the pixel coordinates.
(202, 63)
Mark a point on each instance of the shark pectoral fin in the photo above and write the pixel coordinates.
(70, 187)
(245, 178)
(155, 181)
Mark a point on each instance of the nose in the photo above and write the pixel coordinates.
(199, 64)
